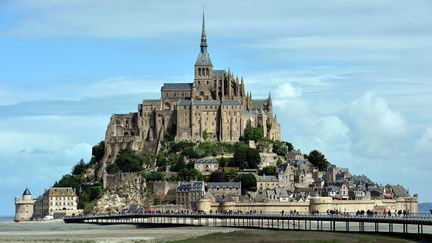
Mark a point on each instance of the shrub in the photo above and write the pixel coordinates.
(79, 168)
(268, 170)
(154, 176)
(318, 160)
(245, 158)
(248, 182)
(217, 176)
(253, 133)
(127, 161)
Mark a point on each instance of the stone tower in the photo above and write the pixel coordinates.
(24, 207)
(203, 69)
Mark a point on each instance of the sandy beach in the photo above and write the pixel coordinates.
(57, 231)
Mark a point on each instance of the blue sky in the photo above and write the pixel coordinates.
(350, 78)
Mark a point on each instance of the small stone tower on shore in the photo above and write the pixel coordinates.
(24, 207)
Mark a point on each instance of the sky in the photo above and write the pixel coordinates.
(350, 78)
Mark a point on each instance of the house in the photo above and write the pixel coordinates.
(188, 194)
(331, 191)
(295, 155)
(221, 190)
(395, 191)
(282, 194)
(57, 202)
(357, 194)
(206, 166)
(266, 182)
(303, 178)
(285, 176)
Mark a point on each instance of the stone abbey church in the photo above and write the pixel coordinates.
(215, 106)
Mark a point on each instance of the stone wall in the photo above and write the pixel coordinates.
(162, 187)
(322, 204)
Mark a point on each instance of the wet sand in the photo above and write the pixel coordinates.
(57, 231)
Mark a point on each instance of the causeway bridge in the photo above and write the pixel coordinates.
(420, 224)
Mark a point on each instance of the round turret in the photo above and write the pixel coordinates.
(24, 207)
(26, 194)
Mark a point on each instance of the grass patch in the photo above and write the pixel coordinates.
(275, 236)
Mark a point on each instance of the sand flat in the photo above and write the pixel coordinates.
(57, 231)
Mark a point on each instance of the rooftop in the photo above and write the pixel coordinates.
(177, 86)
(206, 161)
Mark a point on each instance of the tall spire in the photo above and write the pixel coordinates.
(203, 56)
(203, 36)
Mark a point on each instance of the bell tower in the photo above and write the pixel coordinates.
(203, 71)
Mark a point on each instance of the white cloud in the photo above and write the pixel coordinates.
(423, 144)
(287, 91)
(376, 129)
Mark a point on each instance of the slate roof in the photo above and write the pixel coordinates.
(267, 178)
(177, 86)
(260, 197)
(230, 102)
(270, 193)
(206, 161)
(258, 104)
(194, 186)
(224, 184)
(219, 72)
(281, 192)
(26, 192)
(203, 59)
(399, 191)
(209, 102)
(61, 192)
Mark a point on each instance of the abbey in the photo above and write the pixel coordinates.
(215, 107)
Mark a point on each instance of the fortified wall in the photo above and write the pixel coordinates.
(320, 204)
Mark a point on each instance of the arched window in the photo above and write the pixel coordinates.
(207, 72)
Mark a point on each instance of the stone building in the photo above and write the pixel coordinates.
(188, 194)
(265, 182)
(57, 202)
(215, 107)
(206, 166)
(220, 190)
(24, 207)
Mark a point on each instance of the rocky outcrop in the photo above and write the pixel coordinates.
(123, 190)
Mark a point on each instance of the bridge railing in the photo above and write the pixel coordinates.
(416, 216)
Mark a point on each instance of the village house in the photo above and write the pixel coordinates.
(188, 194)
(206, 166)
(266, 182)
(220, 190)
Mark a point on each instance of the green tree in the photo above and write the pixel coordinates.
(127, 161)
(154, 176)
(190, 174)
(268, 170)
(280, 148)
(278, 162)
(79, 168)
(170, 197)
(245, 158)
(230, 175)
(73, 181)
(217, 176)
(253, 133)
(98, 151)
(179, 165)
(248, 182)
(318, 160)
(290, 146)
